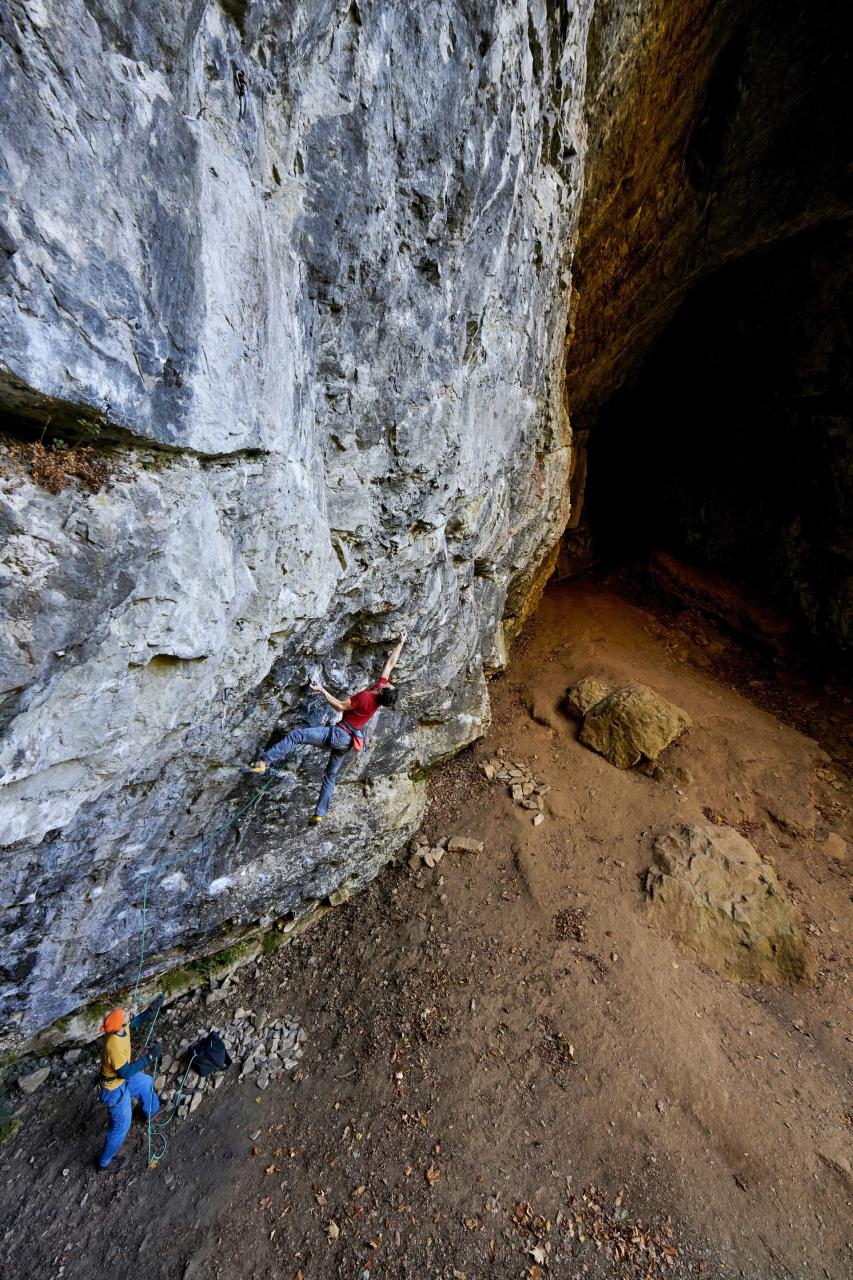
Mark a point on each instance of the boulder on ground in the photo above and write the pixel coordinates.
(709, 887)
(584, 694)
(33, 1080)
(464, 844)
(631, 724)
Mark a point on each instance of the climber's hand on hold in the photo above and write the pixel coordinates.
(394, 656)
(156, 1005)
(316, 688)
(156, 1049)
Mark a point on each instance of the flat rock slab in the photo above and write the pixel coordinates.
(34, 1080)
(464, 844)
(709, 887)
(631, 724)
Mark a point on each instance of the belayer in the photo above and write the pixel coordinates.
(341, 738)
(122, 1080)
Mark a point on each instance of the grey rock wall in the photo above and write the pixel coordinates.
(324, 326)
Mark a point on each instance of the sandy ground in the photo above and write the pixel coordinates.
(508, 1071)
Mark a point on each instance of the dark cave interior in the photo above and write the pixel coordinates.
(710, 369)
(732, 447)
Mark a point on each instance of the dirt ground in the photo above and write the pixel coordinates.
(508, 1071)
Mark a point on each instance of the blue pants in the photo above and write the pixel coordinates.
(119, 1104)
(332, 736)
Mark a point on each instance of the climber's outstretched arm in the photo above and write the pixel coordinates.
(394, 657)
(333, 702)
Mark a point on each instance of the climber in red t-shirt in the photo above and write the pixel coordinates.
(340, 738)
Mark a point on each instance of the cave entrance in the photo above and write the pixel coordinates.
(710, 367)
(731, 447)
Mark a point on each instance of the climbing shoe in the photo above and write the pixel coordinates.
(260, 766)
(114, 1165)
(315, 820)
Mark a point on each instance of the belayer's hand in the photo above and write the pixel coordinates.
(260, 766)
(155, 1050)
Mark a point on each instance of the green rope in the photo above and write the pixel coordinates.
(176, 862)
(155, 1128)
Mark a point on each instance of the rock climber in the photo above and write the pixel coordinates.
(123, 1080)
(341, 738)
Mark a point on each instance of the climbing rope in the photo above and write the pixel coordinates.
(156, 1128)
(177, 861)
(156, 1135)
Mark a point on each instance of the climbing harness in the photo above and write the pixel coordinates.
(358, 739)
(157, 1142)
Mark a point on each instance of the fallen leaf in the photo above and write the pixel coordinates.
(408, 1171)
(271, 1169)
(432, 1174)
(266, 1202)
(256, 1151)
(334, 1230)
(359, 1191)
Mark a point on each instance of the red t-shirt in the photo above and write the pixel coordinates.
(363, 705)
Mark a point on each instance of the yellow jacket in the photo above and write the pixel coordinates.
(114, 1055)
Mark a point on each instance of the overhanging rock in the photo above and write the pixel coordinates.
(322, 330)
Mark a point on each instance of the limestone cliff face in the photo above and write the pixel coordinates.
(322, 321)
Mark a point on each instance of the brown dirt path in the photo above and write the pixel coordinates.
(443, 1127)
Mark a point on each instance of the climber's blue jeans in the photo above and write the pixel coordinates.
(332, 736)
(119, 1104)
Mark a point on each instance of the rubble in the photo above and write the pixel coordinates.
(263, 1048)
(524, 788)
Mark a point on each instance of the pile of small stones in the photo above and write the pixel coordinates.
(69, 1067)
(422, 853)
(525, 790)
(262, 1049)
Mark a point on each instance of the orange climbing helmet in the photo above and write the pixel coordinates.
(114, 1021)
